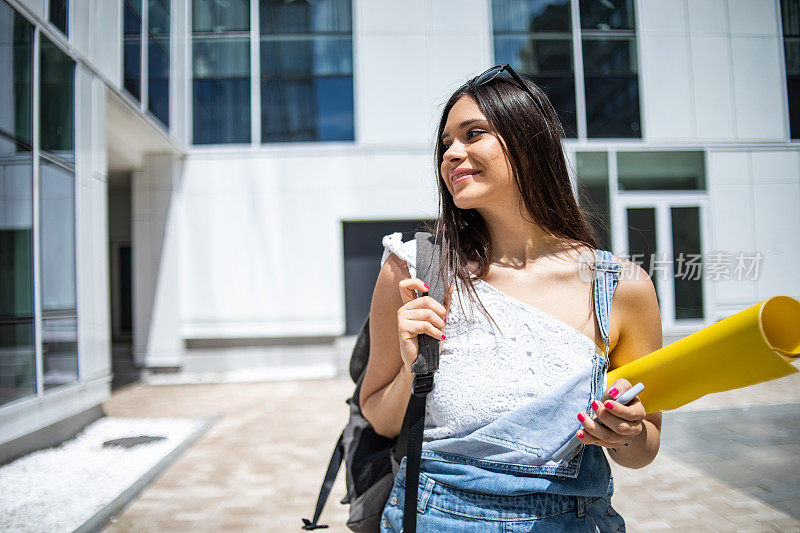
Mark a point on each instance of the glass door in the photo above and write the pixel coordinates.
(666, 236)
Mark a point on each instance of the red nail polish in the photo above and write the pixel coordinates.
(442, 337)
(580, 435)
(613, 393)
(595, 405)
(609, 405)
(581, 417)
(426, 286)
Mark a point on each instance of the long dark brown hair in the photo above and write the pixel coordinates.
(532, 141)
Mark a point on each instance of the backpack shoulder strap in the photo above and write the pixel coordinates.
(606, 278)
(429, 271)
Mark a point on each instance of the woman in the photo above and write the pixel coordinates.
(527, 332)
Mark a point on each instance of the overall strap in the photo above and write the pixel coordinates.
(605, 282)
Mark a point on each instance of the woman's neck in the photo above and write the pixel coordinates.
(517, 241)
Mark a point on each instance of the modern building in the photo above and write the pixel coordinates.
(196, 189)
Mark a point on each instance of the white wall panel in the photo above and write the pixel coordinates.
(263, 251)
(82, 26)
(663, 16)
(776, 195)
(98, 125)
(408, 61)
(106, 39)
(777, 207)
(759, 88)
(459, 67)
(707, 16)
(91, 228)
(93, 296)
(390, 90)
(730, 191)
(472, 16)
(667, 89)
(84, 120)
(155, 197)
(776, 166)
(713, 94)
(382, 17)
(754, 17)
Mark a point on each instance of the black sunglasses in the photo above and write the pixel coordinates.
(492, 73)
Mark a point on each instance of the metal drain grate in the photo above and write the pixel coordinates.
(130, 442)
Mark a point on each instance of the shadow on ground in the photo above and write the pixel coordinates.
(755, 450)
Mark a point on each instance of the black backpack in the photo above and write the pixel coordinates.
(372, 460)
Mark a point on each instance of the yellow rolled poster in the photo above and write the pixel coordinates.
(749, 347)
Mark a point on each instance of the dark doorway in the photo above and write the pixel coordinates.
(119, 246)
(362, 256)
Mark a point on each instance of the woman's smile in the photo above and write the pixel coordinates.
(462, 174)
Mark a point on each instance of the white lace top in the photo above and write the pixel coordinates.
(484, 373)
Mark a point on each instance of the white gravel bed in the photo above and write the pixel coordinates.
(58, 489)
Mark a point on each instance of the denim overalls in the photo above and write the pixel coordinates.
(500, 478)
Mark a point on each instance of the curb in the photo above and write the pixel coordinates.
(103, 518)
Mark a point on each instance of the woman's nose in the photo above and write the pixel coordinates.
(454, 152)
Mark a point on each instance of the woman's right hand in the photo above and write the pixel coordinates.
(418, 315)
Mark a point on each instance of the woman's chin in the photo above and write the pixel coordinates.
(463, 201)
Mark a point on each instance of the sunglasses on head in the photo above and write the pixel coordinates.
(495, 71)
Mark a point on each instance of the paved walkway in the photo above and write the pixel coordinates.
(729, 462)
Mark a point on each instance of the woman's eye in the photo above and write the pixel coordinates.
(474, 133)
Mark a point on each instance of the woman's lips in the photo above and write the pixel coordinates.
(463, 176)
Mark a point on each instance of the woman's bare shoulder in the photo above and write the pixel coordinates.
(634, 282)
(635, 314)
(386, 294)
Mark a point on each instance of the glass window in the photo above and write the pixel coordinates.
(158, 21)
(611, 74)
(56, 101)
(686, 250)
(221, 70)
(58, 14)
(220, 16)
(642, 239)
(306, 71)
(661, 171)
(607, 15)
(16, 89)
(132, 47)
(17, 353)
(57, 259)
(221, 87)
(593, 194)
(535, 38)
(790, 11)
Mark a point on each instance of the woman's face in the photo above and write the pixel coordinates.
(474, 167)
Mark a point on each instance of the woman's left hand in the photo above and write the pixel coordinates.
(621, 424)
